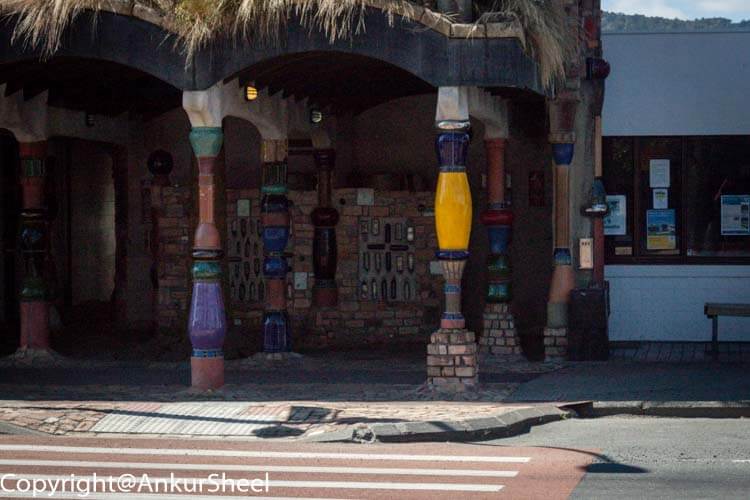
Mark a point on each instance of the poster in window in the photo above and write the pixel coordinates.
(658, 173)
(661, 198)
(661, 230)
(615, 223)
(735, 215)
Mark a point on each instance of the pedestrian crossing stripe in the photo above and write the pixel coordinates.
(263, 454)
(261, 468)
(355, 485)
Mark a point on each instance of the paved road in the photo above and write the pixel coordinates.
(413, 471)
(653, 458)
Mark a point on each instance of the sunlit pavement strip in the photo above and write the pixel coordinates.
(262, 468)
(194, 419)
(260, 454)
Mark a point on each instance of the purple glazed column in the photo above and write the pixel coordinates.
(207, 323)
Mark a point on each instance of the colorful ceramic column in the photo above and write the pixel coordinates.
(34, 246)
(499, 335)
(453, 210)
(562, 137)
(207, 323)
(325, 218)
(499, 221)
(276, 221)
(452, 351)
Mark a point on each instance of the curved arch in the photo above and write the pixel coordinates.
(427, 48)
(120, 39)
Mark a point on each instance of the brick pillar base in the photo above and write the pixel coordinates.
(500, 336)
(555, 344)
(452, 360)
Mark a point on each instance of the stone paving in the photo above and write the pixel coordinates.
(295, 409)
(680, 352)
(279, 419)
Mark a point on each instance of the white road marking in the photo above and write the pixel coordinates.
(262, 468)
(66, 495)
(261, 454)
(358, 485)
(741, 461)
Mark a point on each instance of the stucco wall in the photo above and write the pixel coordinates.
(666, 302)
(667, 84)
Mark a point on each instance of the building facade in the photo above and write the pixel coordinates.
(677, 126)
(298, 194)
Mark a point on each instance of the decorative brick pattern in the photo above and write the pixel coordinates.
(555, 344)
(500, 336)
(352, 322)
(452, 360)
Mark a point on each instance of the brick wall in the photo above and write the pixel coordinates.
(174, 241)
(353, 322)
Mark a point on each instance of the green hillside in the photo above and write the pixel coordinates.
(624, 23)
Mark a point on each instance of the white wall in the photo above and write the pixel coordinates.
(677, 84)
(665, 303)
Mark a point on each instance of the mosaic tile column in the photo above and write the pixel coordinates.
(276, 222)
(207, 322)
(562, 137)
(451, 360)
(34, 247)
(499, 335)
(325, 218)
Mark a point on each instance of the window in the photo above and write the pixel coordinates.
(677, 200)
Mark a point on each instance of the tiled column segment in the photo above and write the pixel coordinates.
(276, 223)
(325, 218)
(34, 247)
(499, 336)
(451, 360)
(207, 323)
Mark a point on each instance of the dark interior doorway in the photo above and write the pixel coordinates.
(10, 207)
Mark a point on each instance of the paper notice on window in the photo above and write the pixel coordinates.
(615, 223)
(661, 198)
(661, 230)
(659, 173)
(735, 215)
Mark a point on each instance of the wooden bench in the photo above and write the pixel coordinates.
(714, 310)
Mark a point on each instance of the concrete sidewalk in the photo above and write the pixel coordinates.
(639, 381)
(339, 398)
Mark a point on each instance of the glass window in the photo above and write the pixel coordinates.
(687, 198)
(619, 166)
(718, 180)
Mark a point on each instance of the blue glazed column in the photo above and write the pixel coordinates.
(276, 222)
(562, 138)
(207, 324)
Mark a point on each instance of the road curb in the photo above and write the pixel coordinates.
(476, 429)
(676, 409)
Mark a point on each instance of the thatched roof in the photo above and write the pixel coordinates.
(195, 23)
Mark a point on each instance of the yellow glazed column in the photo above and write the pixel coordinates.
(452, 351)
(453, 216)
